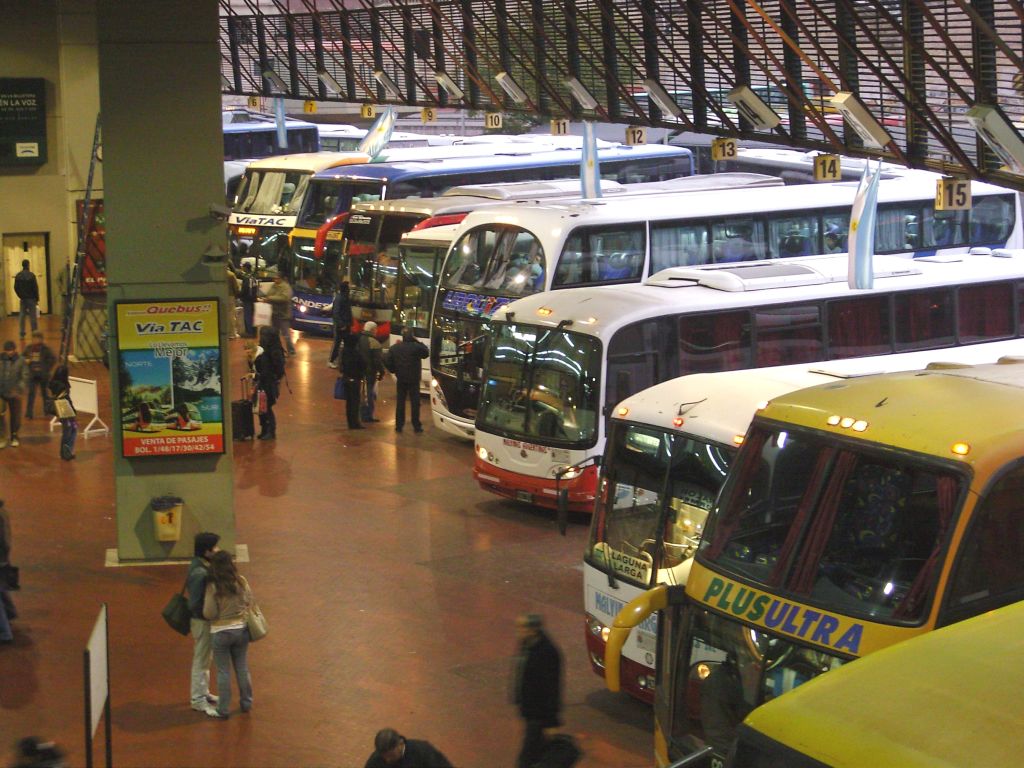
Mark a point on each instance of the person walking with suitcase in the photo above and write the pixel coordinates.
(537, 687)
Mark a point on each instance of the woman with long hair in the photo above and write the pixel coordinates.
(268, 365)
(60, 389)
(225, 605)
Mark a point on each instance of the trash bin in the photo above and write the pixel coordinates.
(167, 517)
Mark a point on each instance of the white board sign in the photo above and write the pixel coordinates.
(97, 648)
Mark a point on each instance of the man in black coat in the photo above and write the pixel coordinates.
(26, 288)
(392, 750)
(403, 360)
(538, 687)
(353, 370)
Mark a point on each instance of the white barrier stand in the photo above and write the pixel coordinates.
(86, 400)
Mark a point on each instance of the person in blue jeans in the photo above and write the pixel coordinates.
(26, 288)
(226, 605)
(7, 610)
(60, 389)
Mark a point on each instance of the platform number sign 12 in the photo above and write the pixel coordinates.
(368, 111)
(952, 194)
(492, 121)
(560, 127)
(827, 168)
(428, 115)
(636, 134)
(723, 149)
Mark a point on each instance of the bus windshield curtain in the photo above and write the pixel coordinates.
(269, 194)
(292, 206)
(946, 494)
(823, 523)
(731, 512)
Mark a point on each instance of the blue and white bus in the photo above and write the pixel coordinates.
(253, 135)
(333, 191)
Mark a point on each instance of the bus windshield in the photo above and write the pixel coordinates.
(419, 267)
(542, 382)
(660, 487)
(328, 196)
(505, 260)
(372, 256)
(840, 528)
(272, 192)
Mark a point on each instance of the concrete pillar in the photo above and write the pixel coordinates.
(163, 167)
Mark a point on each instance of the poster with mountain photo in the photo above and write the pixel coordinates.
(169, 373)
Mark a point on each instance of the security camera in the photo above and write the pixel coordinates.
(752, 108)
(999, 134)
(861, 120)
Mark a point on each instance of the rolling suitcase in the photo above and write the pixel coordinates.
(241, 414)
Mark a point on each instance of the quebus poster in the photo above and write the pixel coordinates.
(169, 365)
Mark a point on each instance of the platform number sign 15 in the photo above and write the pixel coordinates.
(723, 149)
(952, 194)
(492, 121)
(636, 134)
(428, 115)
(827, 168)
(368, 111)
(560, 127)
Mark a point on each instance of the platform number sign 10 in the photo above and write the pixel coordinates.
(952, 194)
(492, 121)
(368, 111)
(428, 115)
(636, 134)
(827, 168)
(560, 127)
(723, 149)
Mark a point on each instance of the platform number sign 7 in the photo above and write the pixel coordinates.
(952, 194)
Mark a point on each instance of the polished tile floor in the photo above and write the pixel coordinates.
(390, 582)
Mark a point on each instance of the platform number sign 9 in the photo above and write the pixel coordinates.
(723, 149)
(492, 121)
(827, 168)
(368, 111)
(952, 194)
(636, 134)
(560, 127)
(428, 115)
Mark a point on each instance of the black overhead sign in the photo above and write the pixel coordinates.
(22, 121)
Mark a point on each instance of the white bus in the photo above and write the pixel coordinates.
(558, 362)
(668, 450)
(506, 252)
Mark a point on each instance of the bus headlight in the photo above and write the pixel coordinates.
(597, 629)
(483, 453)
(303, 308)
(568, 473)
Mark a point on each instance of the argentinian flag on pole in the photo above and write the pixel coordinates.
(279, 118)
(379, 134)
(861, 241)
(590, 168)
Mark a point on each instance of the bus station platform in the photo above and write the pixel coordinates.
(390, 582)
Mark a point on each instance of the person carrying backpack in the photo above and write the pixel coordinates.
(27, 289)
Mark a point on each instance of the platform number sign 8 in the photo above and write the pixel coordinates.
(827, 168)
(560, 127)
(723, 149)
(492, 120)
(952, 194)
(367, 111)
(636, 134)
(428, 115)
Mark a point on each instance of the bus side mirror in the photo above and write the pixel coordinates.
(562, 514)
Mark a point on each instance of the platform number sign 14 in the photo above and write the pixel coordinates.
(723, 149)
(827, 168)
(952, 194)
(636, 134)
(492, 120)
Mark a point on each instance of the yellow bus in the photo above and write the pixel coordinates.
(856, 514)
(951, 697)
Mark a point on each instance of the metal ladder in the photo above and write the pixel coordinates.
(74, 284)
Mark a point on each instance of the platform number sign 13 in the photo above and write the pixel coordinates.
(368, 111)
(952, 194)
(827, 168)
(492, 121)
(723, 149)
(428, 115)
(636, 134)
(560, 127)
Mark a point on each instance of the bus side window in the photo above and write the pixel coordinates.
(989, 571)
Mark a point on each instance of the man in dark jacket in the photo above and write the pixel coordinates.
(373, 361)
(538, 687)
(202, 652)
(403, 360)
(341, 321)
(39, 359)
(13, 377)
(392, 750)
(27, 290)
(353, 371)
(249, 293)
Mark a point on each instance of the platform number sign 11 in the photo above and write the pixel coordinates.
(827, 168)
(368, 111)
(428, 115)
(492, 120)
(560, 127)
(636, 134)
(723, 149)
(952, 194)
